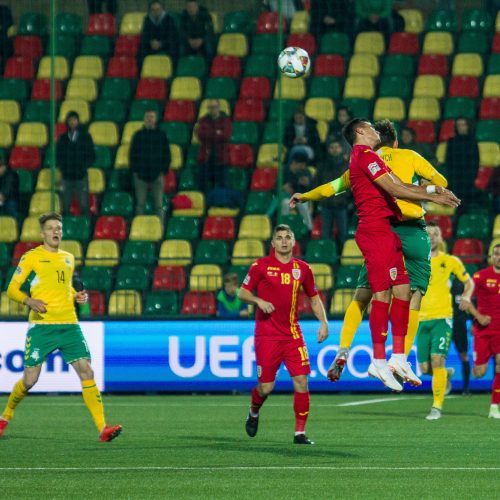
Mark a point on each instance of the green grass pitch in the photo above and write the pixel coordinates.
(196, 447)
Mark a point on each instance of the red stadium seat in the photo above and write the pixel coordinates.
(257, 87)
(240, 155)
(61, 128)
(97, 303)
(110, 227)
(489, 108)
(151, 88)
(27, 157)
(226, 66)
(264, 179)
(444, 222)
(483, 177)
(424, 130)
(21, 248)
(433, 64)
(41, 90)
(304, 303)
(169, 278)
(316, 230)
(122, 67)
(268, 23)
(495, 45)
(249, 110)
(305, 41)
(404, 43)
(218, 228)
(463, 86)
(29, 46)
(127, 45)
(447, 130)
(329, 65)
(198, 303)
(180, 111)
(170, 182)
(470, 250)
(74, 208)
(21, 68)
(101, 24)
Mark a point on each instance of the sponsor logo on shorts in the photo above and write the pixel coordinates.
(296, 274)
(393, 273)
(374, 168)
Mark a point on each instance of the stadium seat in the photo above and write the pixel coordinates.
(20, 68)
(351, 254)
(88, 67)
(468, 65)
(107, 110)
(246, 251)
(433, 64)
(16, 90)
(218, 228)
(425, 131)
(37, 111)
(495, 44)
(32, 134)
(324, 86)
(80, 106)
(96, 45)
(211, 252)
(320, 108)
(438, 43)
(33, 23)
(363, 65)
(65, 46)
(158, 66)
(398, 65)
(127, 45)
(122, 67)
(97, 303)
(205, 278)
(76, 228)
(268, 22)
(146, 228)
(477, 20)
(473, 225)
(28, 46)
(395, 86)
(186, 88)
(404, 43)
(131, 23)
(226, 67)
(101, 24)
(104, 133)
(483, 178)
(489, 154)
(102, 253)
(198, 303)
(119, 89)
(491, 87)
(175, 253)
(30, 230)
(6, 135)
(237, 22)
(424, 108)
(185, 228)
(347, 276)
(359, 87)
(27, 157)
(391, 108)
(245, 133)
(334, 42)
(140, 106)
(305, 41)
(20, 248)
(74, 248)
(489, 109)
(323, 276)
(41, 203)
(321, 251)
(169, 278)
(258, 202)
(413, 20)
(232, 44)
(441, 20)
(82, 88)
(192, 66)
(446, 132)
(151, 88)
(329, 65)
(25, 182)
(197, 204)
(251, 110)
(117, 203)
(8, 229)
(241, 155)
(221, 88)
(473, 42)
(97, 278)
(429, 86)
(125, 303)
(268, 156)
(132, 277)
(159, 304)
(455, 107)
(371, 42)
(464, 86)
(110, 227)
(129, 130)
(256, 87)
(488, 130)
(469, 250)
(300, 22)
(341, 299)
(255, 227)
(10, 112)
(444, 222)
(292, 89)
(68, 23)
(139, 252)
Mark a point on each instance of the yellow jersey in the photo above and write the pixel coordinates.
(437, 302)
(50, 276)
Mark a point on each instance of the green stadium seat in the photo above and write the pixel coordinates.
(322, 251)
(258, 202)
(96, 45)
(183, 228)
(471, 268)
(188, 180)
(289, 108)
(117, 203)
(359, 107)
(271, 134)
(325, 86)
(103, 157)
(69, 24)
(236, 178)
(221, 88)
(65, 46)
(245, 133)
(238, 22)
(211, 252)
(33, 23)
(25, 181)
(260, 65)
(4, 254)
(398, 65)
(471, 41)
(192, 155)
(11, 89)
(37, 111)
(494, 65)
(488, 130)
(132, 277)
(347, 276)
(117, 89)
(192, 66)
(241, 271)
(477, 20)
(160, 304)
(97, 278)
(296, 224)
(473, 225)
(441, 20)
(455, 107)
(335, 42)
(119, 180)
(265, 44)
(177, 132)
(76, 228)
(395, 86)
(107, 110)
(139, 252)
(139, 107)
(149, 205)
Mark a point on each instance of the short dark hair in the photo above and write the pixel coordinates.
(411, 131)
(387, 132)
(49, 216)
(283, 227)
(349, 132)
(229, 277)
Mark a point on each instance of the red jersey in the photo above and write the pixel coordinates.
(279, 284)
(373, 204)
(487, 291)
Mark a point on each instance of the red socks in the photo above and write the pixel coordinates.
(379, 324)
(301, 408)
(495, 390)
(257, 401)
(400, 311)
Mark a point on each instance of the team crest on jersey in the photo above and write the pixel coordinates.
(393, 273)
(296, 274)
(374, 167)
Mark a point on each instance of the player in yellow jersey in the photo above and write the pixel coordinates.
(53, 322)
(436, 316)
(409, 166)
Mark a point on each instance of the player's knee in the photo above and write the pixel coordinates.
(266, 388)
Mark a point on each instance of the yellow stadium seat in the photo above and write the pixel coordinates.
(8, 229)
(322, 276)
(391, 108)
(82, 88)
(102, 253)
(159, 66)
(370, 42)
(359, 87)
(125, 303)
(10, 112)
(146, 228)
(496, 227)
(300, 22)
(441, 152)
(197, 199)
(129, 130)
(32, 134)
(340, 300)
(10, 308)
(223, 212)
(320, 108)
(104, 133)
(216, 21)
(31, 230)
(75, 248)
(435, 209)
(80, 106)
(351, 254)
(293, 89)
(232, 44)
(438, 43)
(88, 67)
(424, 108)
(97, 180)
(6, 135)
(245, 252)
(44, 179)
(497, 22)
(61, 68)
(414, 20)
(186, 88)
(224, 106)
(177, 161)
(205, 278)
(132, 23)
(41, 202)
(429, 86)
(491, 86)
(257, 227)
(268, 155)
(175, 253)
(122, 156)
(489, 154)
(322, 128)
(363, 65)
(468, 65)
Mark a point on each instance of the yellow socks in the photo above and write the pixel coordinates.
(16, 396)
(92, 399)
(412, 331)
(352, 319)
(438, 386)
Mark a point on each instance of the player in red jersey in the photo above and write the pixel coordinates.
(375, 188)
(277, 280)
(486, 326)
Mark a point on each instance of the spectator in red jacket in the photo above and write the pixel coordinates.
(214, 131)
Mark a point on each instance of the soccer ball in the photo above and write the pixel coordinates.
(294, 62)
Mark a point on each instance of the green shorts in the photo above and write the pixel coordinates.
(433, 338)
(41, 340)
(416, 251)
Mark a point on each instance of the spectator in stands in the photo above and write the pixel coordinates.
(407, 140)
(102, 6)
(149, 162)
(214, 131)
(288, 7)
(374, 15)
(9, 190)
(462, 161)
(75, 154)
(335, 127)
(301, 135)
(229, 306)
(6, 44)
(328, 15)
(334, 208)
(159, 33)
(197, 31)
(298, 179)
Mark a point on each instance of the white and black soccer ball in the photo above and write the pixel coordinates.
(294, 62)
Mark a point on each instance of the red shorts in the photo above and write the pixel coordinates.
(383, 254)
(270, 353)
(486, 345)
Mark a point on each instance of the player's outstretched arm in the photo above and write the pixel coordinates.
(327, 190)
(250, 298)
(319, 311)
